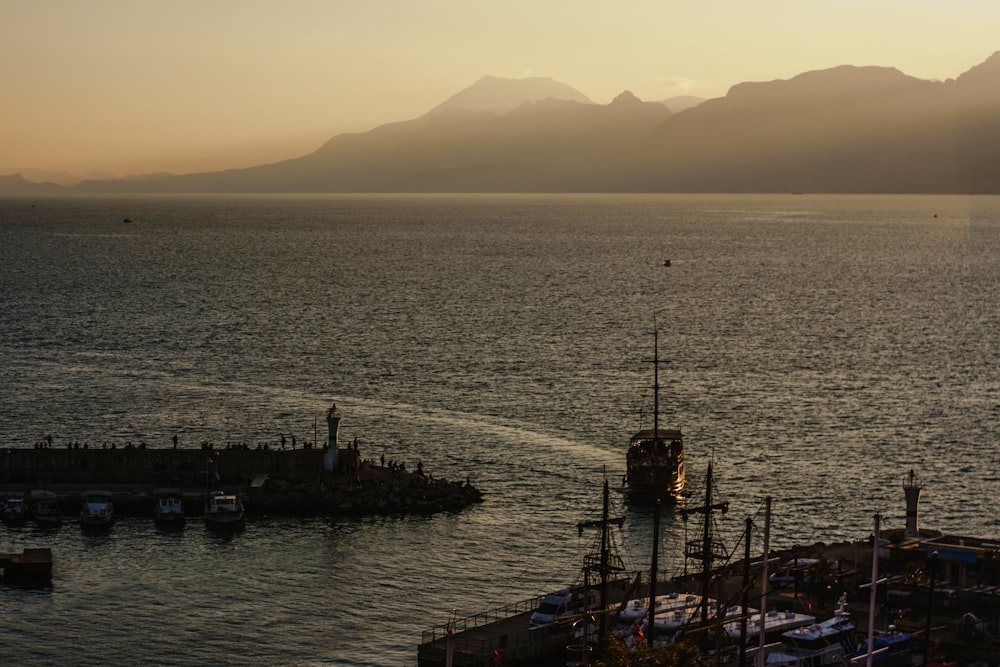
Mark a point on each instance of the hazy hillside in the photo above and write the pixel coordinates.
(846, 129)
(501, 95)
(682, 102)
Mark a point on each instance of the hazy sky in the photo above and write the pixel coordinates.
(137, 86)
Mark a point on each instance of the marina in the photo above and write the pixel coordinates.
(804, 631)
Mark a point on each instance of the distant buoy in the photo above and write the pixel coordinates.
(666, 262)
(127, 220)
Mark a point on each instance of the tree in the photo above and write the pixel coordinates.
(822, 578)
(681, 654)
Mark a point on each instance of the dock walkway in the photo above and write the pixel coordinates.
(478, 640)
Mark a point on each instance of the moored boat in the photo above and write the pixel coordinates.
(891, 648)
(98, 510)
(655, 458)
(776, 623)
(168, 508)
(44, 508)
(223, 510)
(15, 509)
(831, 642)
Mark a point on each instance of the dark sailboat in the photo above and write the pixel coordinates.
(655, 458)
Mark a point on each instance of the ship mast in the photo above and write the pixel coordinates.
(653, 574)
(656, 385)
(708, 549)
(607, 560)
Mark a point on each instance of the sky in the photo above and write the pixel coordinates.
(139, 86)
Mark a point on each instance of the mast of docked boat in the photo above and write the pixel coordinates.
(656, 385)
(605, 554)
(705, 551)
(872, 598)
(604, 565)
(706, 554)
(763, 581)
(745, 597)
(653, 573)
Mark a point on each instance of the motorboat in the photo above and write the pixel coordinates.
(831, 642)
(223, 510)
(890, 648)
(564, 602)
(44, 508)
(655, 457)
(15, 509)
(775, 624)
(98, 510)
(168, 508)
(638, 608)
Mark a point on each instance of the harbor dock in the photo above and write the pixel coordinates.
(963, 626)
(504, 633)
(310, 480)
(29, 565)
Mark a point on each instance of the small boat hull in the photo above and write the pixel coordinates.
(223, 511)
(168, 508)
(44, 508)
(98, 511)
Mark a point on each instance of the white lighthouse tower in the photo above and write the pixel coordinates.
(332, 458)
(912, 490)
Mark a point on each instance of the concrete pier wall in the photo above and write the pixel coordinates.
(177, 467)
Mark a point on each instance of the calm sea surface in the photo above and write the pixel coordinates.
(818, 349)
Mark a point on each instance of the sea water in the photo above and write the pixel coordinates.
(816, 349)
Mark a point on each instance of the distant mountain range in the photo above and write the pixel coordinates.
(847, 129)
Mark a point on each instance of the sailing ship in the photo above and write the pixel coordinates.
(655, 458)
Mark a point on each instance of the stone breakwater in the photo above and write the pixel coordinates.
(271, 481)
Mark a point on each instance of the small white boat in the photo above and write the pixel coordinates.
(776, 623)
(638, 608)
(15, 509)
(223, 510)
(44, 508)
(832, 642)
(98, 511)
(669, 623)
(168, 509)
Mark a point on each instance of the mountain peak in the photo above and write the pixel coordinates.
(500, 95)
(626, 97)
(825, 83)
